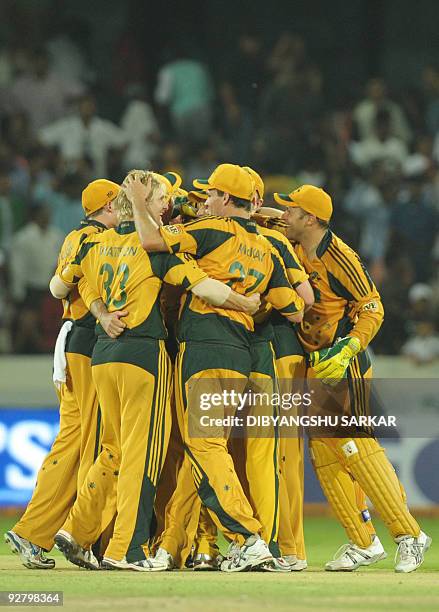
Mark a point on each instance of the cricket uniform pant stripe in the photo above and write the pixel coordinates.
(211, 501)
(159, 425)
(98, 435)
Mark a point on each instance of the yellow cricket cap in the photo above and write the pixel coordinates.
(97, 194)
(180, 193)
(313, 200)
(171, 180)
(231, 179)
(197, 196)
(259, 183)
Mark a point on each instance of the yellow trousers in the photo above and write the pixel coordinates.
(212, 466)
(291, 371)
(71, 456)
(135, 408)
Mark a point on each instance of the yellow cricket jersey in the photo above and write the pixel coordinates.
(295, 272)
(74, 307)
(119, 270)
(294, 269)
(346, 300)
(231, 250)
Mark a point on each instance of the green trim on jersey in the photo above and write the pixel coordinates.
(126, 227)
(81, 340)
(201, 356)
(263, 332)
(141, 352)
(286, 341)
(211, 327)
(209, 239)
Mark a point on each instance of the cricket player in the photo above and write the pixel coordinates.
(77, 444)
(290, 368)
(214, 343)
(336, 331)
(132, 376)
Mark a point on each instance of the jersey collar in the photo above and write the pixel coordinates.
(86, 222)
(126, 227)
(324, 244)
(247, 224)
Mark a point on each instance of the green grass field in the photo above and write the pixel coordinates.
(374, 588)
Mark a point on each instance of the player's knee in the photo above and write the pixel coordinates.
(321, 455)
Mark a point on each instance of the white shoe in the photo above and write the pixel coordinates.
(31, 555)
(410, 553)
(253, 553)
(276, 564)
(73, 552)
(297, 565)
(123, 564)
(350, 557)
(162, 562)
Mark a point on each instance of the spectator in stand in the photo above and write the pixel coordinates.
(41, 94)
(377, 99)
(185, 89)
(84, 135)
(423, 347)
(288, 113)
(242, 83)
(14, 61)
(203, 164)
(420, 159)
(369, 201)
(422, 306)
(141, 129)
(16, 167)
(66, 50)
(32, 261)
(430, 81)
(12, 211)
(381, 145)
(16, 132)
(64, 201)
(394, 293)
(415, 224)
(171, 158)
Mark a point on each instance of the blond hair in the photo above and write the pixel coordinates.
(122, 204)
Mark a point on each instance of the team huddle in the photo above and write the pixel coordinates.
(226, 295)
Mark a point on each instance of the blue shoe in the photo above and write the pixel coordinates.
(31, 555)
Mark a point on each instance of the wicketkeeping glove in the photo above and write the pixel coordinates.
(330, 364)
(183, 207)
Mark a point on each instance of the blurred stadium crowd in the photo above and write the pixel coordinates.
(377, 154)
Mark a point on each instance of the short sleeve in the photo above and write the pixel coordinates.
(179, 269)
(280, 294)
(71, 272)
(178, 239)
